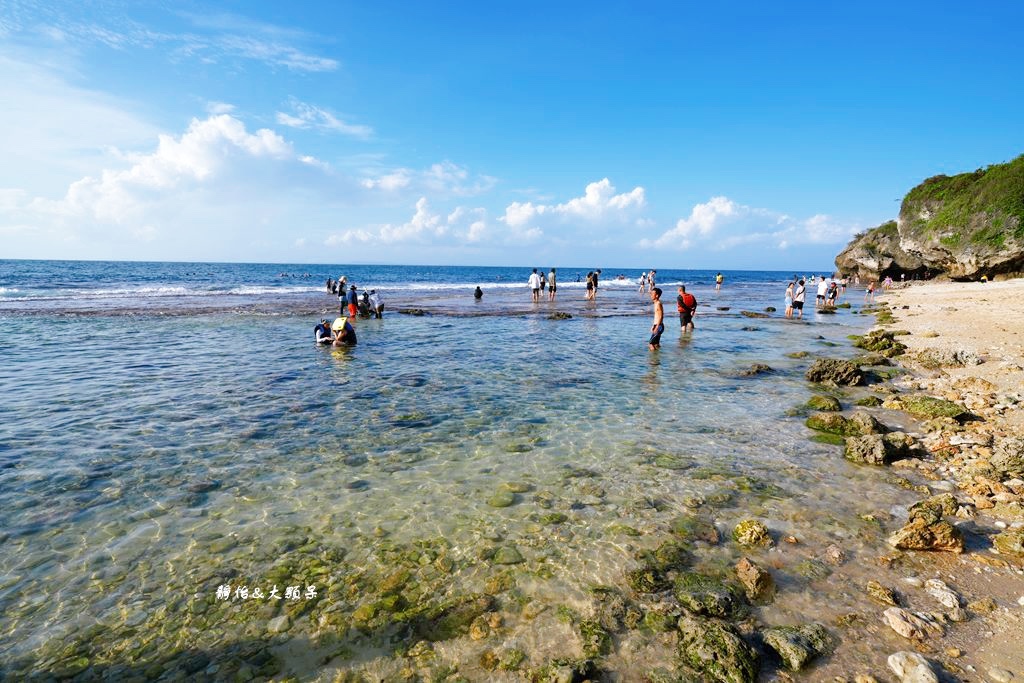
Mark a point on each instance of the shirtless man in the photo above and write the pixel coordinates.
(658, 327)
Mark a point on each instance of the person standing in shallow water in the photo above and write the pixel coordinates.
(686, 305)
(552, 285)
(658, 327)
(534, 283)
(789, 300)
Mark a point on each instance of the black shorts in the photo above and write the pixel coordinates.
(656, 337)
(685, 319)
(798, 305)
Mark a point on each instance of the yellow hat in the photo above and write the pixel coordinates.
(339, 324)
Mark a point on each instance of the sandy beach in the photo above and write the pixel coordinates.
(965, 344)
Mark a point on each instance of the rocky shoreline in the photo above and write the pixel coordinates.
(959, 377)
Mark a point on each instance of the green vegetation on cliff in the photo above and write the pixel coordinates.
(997, 192)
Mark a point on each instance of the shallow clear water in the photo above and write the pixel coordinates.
(146, 460)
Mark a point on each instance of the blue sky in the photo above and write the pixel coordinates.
(665, 135)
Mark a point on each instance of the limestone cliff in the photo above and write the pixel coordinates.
(963, 226)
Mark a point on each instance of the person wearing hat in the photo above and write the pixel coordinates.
(352, 299)
(323, 332)
(344, 333)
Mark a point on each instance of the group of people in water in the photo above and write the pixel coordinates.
(339, 333)
(370, 304)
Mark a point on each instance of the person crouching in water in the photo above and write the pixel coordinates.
(323, 332)
(376, 304)
(344, 333)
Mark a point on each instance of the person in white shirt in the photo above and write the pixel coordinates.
(376, 304)
(534, 283)
(798, 299)
(822, 288)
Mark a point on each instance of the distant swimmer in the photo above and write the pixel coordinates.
(478, 293)
(323, 332)
(344, 333)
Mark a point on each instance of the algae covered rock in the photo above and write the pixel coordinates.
(824, 403)
(756, 369)
(752, 534)
(834, 371)
(715, 651)
(880, 341)
(881, 594)
(692, 527)
(797, 645)
(1010, 542)
(930, 407)
(702, 594)
(502, 498)
(933, 509)
(507, 554)
(831, 423)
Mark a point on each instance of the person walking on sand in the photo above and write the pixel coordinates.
(789, 300)
(658, 327)
(552, 285)
(686, 304)
(534, 283)
(798, 299)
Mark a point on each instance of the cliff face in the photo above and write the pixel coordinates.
(964, 226)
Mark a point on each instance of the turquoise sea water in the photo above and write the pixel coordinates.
(155, 447)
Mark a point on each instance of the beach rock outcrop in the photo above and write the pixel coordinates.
(882, 342)
(715, 651)
(834, 371)
(879, 449)
(1008, 456)
(797, 645)
(859, 423)
(927, 530)
(964, 226)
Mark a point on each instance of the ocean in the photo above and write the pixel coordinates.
(471, 482)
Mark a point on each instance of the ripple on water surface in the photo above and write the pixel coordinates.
(522, 458)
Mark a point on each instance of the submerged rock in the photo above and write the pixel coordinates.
(560, 315)
(695, 528)
(507, 554)
(715, 651)
(834, 371)
(753, 314)
(911, 667)
(502, 498)
(752, 533)
(756, 369)
(799, 645)
(702, 594)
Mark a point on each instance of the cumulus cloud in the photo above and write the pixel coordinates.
(443, 179)
(205, 149)
(462, 225)
(721, 223)
(599, 205)
(307, 116)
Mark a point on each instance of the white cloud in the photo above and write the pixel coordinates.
(599, 206)
(219, 108)
(721, 224)
(461, 226)
(307, 116)
(444, 179)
